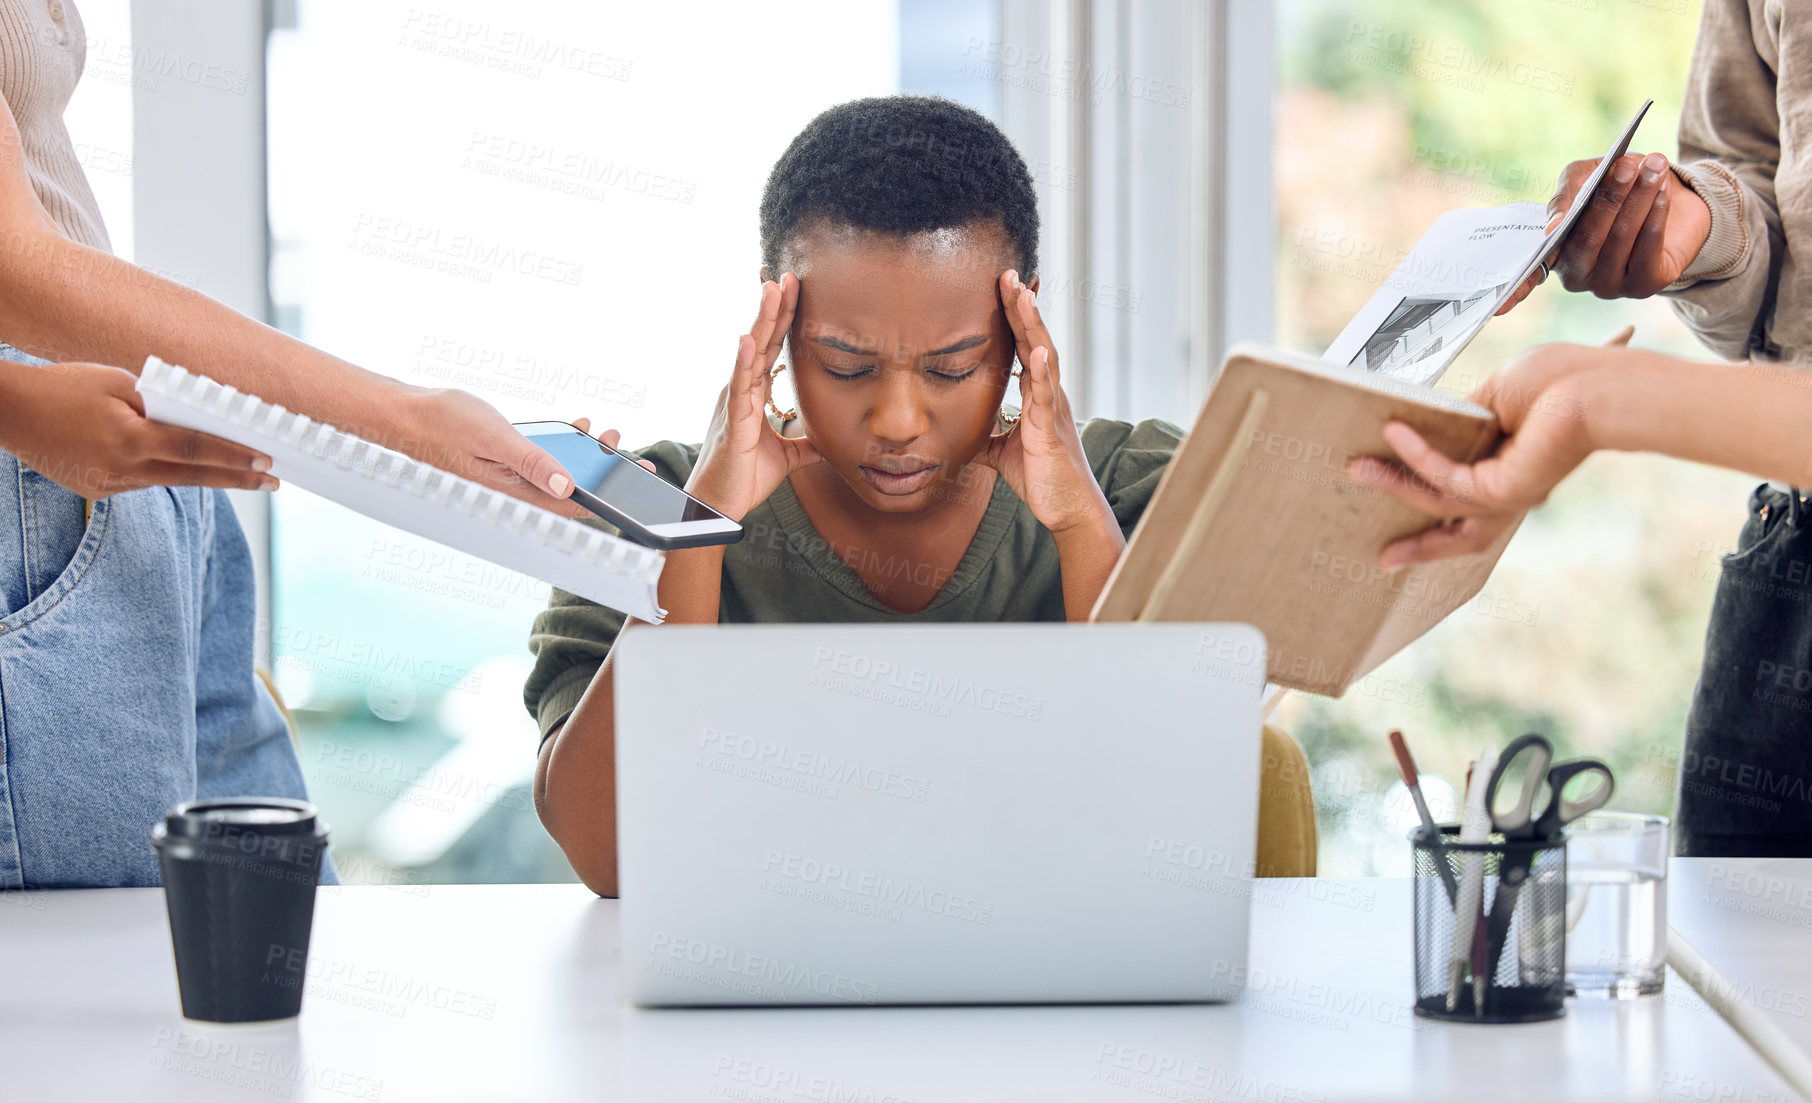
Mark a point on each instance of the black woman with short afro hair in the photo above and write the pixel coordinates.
(899, 242)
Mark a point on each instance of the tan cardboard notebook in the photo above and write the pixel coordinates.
(1255, 520)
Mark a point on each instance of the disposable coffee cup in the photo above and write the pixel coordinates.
(239, 884)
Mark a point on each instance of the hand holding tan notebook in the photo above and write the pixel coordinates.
(1256, 521)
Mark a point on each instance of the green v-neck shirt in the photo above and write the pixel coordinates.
(783, 571)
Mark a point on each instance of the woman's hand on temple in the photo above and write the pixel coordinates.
(83, 427)
(1041, 457)
(743, 459)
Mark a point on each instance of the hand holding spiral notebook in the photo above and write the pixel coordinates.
(390, 487)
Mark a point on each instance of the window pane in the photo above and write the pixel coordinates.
(1388, 113)
(941, 45)
(99, 115)
(552, 206)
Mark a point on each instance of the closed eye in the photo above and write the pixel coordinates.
(842, 372)
(850, 372)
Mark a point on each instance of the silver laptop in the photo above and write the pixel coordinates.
(879, 814)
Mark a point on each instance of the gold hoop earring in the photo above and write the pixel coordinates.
(776, 411)
(1007, 421)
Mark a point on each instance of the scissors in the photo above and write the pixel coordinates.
(1533, 756)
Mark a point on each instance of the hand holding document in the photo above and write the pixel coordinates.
(1442, 294)
(1478, 500)
(1466, 267)
(388, 486)
(1262, 516)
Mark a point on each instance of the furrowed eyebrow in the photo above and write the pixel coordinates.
(841, 346)
(961, 346)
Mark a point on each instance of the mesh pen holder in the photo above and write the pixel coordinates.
(1524, 975)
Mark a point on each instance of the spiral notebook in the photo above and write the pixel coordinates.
(390, 487)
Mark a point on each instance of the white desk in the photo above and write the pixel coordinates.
(1752, 920)
(510, 992)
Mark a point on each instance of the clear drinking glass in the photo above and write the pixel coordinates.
(1617, 905)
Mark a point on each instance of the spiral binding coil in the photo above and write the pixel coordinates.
(374, 461)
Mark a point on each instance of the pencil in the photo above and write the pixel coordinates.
(1406, 765)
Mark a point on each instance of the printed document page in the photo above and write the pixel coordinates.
(1465, 267)
(1442, 293)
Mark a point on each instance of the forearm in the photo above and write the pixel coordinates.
(576, 778)
(691, 584)
(15, 409)
(576, 783)
(1750, 417)
(64, 301)
(1086, 554)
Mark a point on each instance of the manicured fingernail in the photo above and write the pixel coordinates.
(1652, 167)
(560, 484)
(262, 463)
(1624, 172)
(267, 483)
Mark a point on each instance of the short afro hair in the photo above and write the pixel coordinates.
(900, 165)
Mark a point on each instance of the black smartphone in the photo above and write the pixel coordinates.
(646, 508)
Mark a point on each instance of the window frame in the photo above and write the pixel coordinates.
(207, 229)
(1104, 219)
(211, 229)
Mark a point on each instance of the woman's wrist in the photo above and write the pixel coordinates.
(705, 485)
(12, 405)
(1098, 529)
(21, 389)
(414, 412)
(691, 584)
(1622, 395)
(1077, 505)
(1086, 555)
(400, 416)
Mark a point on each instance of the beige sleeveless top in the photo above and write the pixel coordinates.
(42, 51)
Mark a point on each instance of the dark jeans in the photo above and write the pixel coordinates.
(1746, 771)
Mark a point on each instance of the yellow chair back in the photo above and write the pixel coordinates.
(1286, 809)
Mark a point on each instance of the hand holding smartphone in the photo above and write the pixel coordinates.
(645, 507)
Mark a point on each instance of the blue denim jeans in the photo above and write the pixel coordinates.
(126, 680)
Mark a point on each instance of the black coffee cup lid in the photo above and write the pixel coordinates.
(197, 819)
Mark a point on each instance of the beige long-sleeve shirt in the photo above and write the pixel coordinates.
(42, 51)
(1746, 149)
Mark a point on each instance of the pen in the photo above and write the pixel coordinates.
(1475, 827)
(1407, 766)
(1479, 954)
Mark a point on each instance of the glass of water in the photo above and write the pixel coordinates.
(1617, 905)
